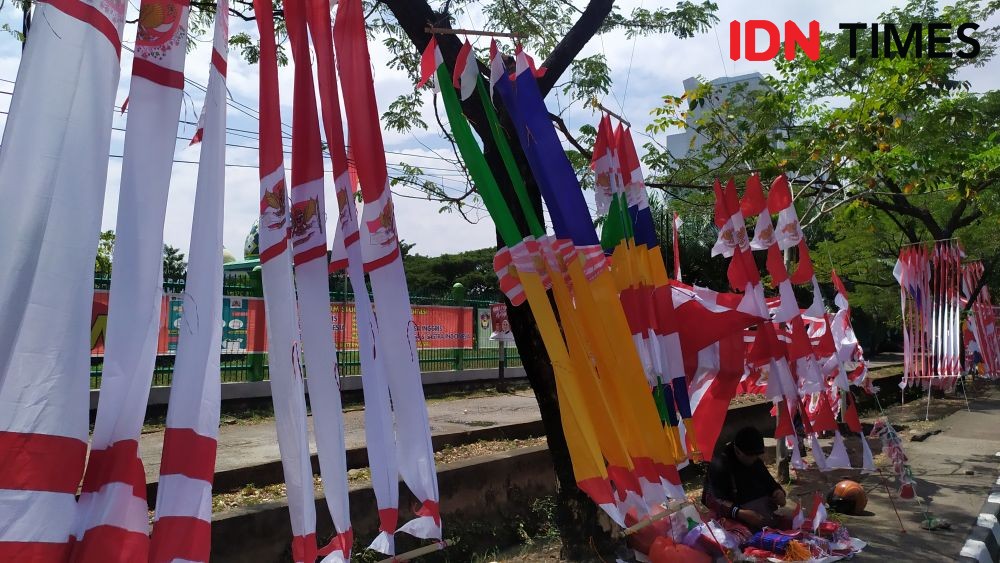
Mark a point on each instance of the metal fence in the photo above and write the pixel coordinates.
(253, 366)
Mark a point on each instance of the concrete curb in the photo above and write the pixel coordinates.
(159, 396)
(983, 543)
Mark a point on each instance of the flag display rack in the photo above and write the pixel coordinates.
(672, 508)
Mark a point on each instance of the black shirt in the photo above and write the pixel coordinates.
(729, 482)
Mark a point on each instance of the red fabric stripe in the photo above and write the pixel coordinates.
(387, 520)
(341, 542)
(430, 508)
(185, 452)
(34, 552)
(119, 463)
(219, 62)
(108, 543)
(309, 254)
(644, 468)
(41, 462)
(352, 238)
(337, 265)
(92, 16)
(180, 537)
(598, 489)
(274, 250)
(624, 480)
(156, 73)
(385, 260)
(304, 548)
(669, 472)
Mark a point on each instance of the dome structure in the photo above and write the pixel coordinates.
(227, 256)
(251, 248)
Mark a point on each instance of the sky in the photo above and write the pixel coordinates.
(643, 70)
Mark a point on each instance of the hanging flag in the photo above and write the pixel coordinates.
(466, 70)
(798, 517)
(182, 528)
(380, 245)
(54, 161)
(429, 62)
(284, 352)
(346, 253)
(497, 68)
(312, 280)
(112, 517)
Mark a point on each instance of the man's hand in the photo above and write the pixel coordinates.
(778, 496)
(750, 518)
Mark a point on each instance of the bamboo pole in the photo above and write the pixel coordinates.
(450, 31)
(414, 553)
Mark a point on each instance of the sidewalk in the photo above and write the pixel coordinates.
(246, 444)
(954, 471)
(242, 445)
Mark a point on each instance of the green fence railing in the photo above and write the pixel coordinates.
(240, 367)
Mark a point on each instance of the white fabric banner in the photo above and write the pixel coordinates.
(157, 87)
(59, 121)
(182, 526)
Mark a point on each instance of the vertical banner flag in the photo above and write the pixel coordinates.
(59, 121)
(312, 280)
(287, 389)
(113, 519)
(183, 523)
(380, 248)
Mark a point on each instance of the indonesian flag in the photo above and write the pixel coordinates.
(54, 163)
(798, 517)
(287, 387)
(779, 200)
(113, 519)
(346, 253)
(183, 521)
(380, 245)
(842, 296)
(309, 254)
(733, 232)
(466, 70)
(430, 60)
(819, 511)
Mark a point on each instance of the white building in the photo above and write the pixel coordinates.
(679, 144)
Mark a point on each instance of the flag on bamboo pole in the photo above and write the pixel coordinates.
(676, 224)
(571, 220)
(182, 528)
(112, 518)
(312, 281)
(59, 121)
(346, 254)
(533, 258)
(287, 388)
(380, 249)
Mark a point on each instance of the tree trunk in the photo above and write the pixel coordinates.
(583, 529)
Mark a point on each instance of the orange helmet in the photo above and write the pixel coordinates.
(848, 497)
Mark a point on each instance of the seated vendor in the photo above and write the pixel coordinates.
(738, 484)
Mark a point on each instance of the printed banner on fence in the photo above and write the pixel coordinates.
(500, 324)
(243, 325)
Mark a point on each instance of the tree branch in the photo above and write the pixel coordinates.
(572, 43)
(569, 136)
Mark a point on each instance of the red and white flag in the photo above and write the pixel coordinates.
(312, 282)
(182, 528)
(677, 246)
(380, 246)
(284, 351)
(54, 162)
(466, 70)
(798, 517)
(113, 522)
(430, 60)
(819, 514)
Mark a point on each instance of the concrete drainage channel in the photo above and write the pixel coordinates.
(983, 543)
(486, 492)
